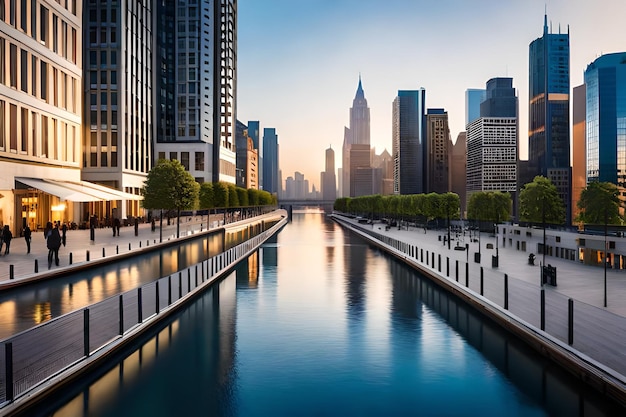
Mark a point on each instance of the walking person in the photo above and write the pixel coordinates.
(53, 243)
(63, 233)
(7, 236)
(1, 238)
(27, 237)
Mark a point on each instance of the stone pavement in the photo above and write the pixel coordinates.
(584, 283)
(78, 243)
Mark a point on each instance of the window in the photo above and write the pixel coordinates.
(93, 118)
(103, 58)
(94, 139)
(113, 99)
(184, 160)
(113, 77)
(199, 161)
(114, 159)
(103, 77)
(44, 136)
(13, 127)
(103, 98)
(104, 162)
(33, 134)
(55, 33)
(2, 54)
(43, 20)
(93, 79)
(113, 58)
(23, 16)
(2, 125)
(44, 81)
(24, 70)
(173, 156)
(113, 139)
(161, 155)
(25, 130)
(13, 66)
(103, 139)
(93, 160)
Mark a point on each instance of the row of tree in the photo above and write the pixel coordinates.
(539, 202)
(169, 186)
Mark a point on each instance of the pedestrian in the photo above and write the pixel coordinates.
(116, 227)
(63, 233)
(27, 237)
(53, 244)
(6, 237)
(1, 238)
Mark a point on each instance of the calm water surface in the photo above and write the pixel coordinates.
(318, 323)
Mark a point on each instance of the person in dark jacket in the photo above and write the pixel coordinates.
(27, 237)
(64, 233)
(7, 236)
(53, 242)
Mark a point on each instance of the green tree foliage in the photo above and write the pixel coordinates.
(341, 204)
(220, 194)
(599, 203)
(233, 197)
(242, 195)
(253, 196)
(489, 206)
(538, 199)
(266, 198)
(450, 205)
(168, 186)
(207, 200)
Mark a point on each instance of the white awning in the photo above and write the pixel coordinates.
(81, 191)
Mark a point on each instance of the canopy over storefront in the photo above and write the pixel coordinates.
(76, 191)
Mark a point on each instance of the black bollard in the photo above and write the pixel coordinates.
(117, 249)
(467, 274)
(506, 292)
(11, 271)
(570, 321)
(71, 258)
(543, 309)
(103, 253)
(128, 245)
(36, 266)
(481, 281)
(140, 243)
(457, 270)
(87, 255)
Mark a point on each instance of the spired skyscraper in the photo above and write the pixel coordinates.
(357, 134)
(548, 112)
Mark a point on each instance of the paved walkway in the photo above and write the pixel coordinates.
(78, 243)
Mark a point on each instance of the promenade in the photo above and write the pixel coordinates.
(576, 330)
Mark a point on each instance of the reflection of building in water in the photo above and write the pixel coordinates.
(355, 251)
(248, 272)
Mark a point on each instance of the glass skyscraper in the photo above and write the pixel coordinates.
(548, 113)
(271, 181)
(605, 79)
(408, 133)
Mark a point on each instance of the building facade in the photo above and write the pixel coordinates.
(548, 113)
(473, 98)
(41, 59)
(357, 134)
(196, 87)
(579, 151)
(438, 151)
(605, 80)
(458, 169)
(271, 180)
(329, 181)
(409, 146)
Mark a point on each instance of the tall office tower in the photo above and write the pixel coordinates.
(457, 169)
(329, 182)
(579, 144)
(357, 134)
(247, 158)
(605, 79)
(361, 175)
(473, 98)
(118, 129)
(299, 185)
(254, 131)
(408, 142)
(290, 188)
(492, 142)
(40, 109)
(438, 151)
(271, 180)
(548, 112)
(196, 86)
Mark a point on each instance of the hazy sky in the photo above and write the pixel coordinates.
(299, 61)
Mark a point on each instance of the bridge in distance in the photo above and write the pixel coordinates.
(305, 202)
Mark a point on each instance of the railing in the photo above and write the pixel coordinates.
(36, 355)
(525, 302)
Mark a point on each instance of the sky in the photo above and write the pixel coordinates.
(298, 61)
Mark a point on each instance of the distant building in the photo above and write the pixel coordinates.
(458, 169)
(548, 112)
(329, 182)
(383, 182)
(254, 132)
(271, 180)
(473, 98)
(492, 142)
(579, 145)
(409, 144)
(605, 79)
(438, 152)
(361, 179)
(357, 134)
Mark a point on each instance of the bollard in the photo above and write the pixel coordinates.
(467, 274)
(448, 267)
(129, 246)
(188, 280)
(481, 281)
(86, 332)
(456, 268)
(157, 297)
(147, 243)
(439, 262)
(140, 243)
(121, 307)
(196, 275)
(180, 285)
(506, 292)
(543, 309)
(87, 255)
(36, 266)
(8, 371)
(71, 257)
(117, 249)
(570, 321)
(139, 306)
(11, 272)
(432, 262)
(169, 290)
(103, 253)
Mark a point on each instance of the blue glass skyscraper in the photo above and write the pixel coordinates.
(409, 145)
(548, 113)
(605, 79)
(271, 182)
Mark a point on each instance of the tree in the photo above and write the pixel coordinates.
(233, 197)
(242, 195)
(253, 196)
(220, 194)
(450, 204)
(489, 206)
(168, 186)
(599, 203)
(539, 201)
(341, 204)
(206, 199)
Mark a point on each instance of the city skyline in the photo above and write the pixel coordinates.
(302, 81)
